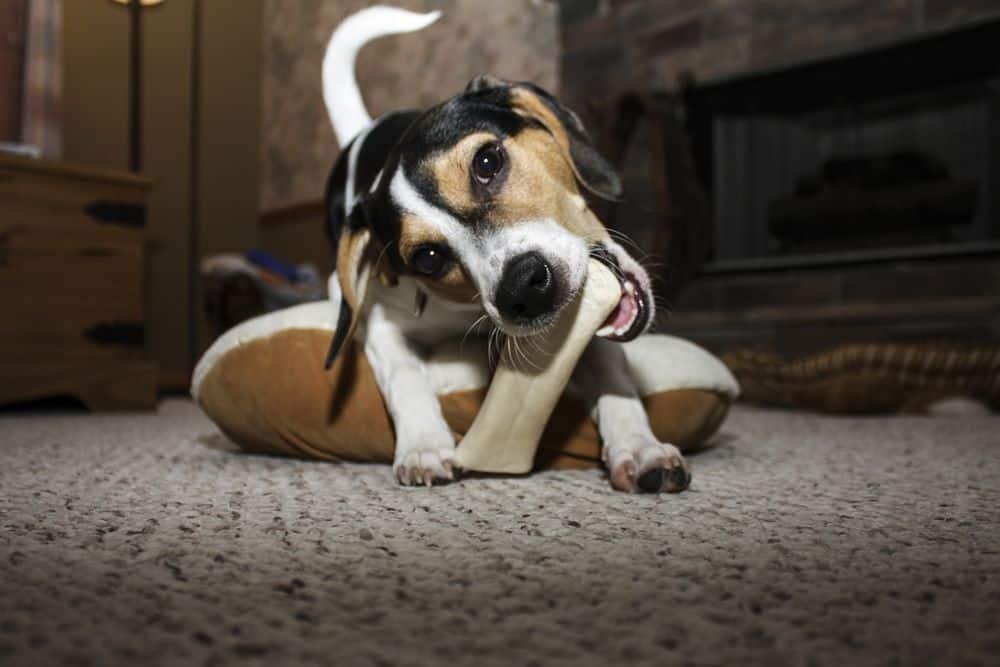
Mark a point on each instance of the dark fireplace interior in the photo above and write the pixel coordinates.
(849, 158)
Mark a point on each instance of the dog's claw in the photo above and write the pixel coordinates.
(623, 475)
(425, 467)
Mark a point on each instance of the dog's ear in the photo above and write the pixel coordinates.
(357, 256)
(486, 82)
(527, 99)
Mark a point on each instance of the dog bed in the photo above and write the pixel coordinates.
(872, 378)
(264, 385)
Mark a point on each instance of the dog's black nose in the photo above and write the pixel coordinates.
(527, 289)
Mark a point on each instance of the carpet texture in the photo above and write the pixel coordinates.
(139, 539)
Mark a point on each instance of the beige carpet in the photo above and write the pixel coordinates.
(138, 539)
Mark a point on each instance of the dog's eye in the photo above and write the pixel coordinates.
(487, 163)
(430, 260)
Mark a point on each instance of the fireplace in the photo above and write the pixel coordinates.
(889, 153)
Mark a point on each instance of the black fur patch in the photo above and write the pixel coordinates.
(378, 144)
(340, 335)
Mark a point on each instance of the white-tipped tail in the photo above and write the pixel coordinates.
(340, 88)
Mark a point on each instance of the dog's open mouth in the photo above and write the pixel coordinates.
(628, 319)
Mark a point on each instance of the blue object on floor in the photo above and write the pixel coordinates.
(266, 260)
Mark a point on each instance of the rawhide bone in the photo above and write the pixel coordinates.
(505, 434)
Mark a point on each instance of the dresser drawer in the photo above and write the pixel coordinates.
(71, 285)
(93, 209)
(71, 303)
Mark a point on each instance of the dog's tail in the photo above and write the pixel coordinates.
(340, 88)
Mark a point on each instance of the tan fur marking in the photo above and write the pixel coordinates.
(355, 256)
(526, 102)
(351, 253)
(354, 250)
(542, 186)
(450, 170)
(415, 232)
(452, 286)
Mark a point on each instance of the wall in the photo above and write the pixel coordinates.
(227, 134)
(201, 127)
(517, 39)
(301, 239)
(95, 85)
(12, 15)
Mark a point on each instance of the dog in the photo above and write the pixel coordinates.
(472, 211)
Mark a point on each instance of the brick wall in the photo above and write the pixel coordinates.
(611, 45)
(796, 312)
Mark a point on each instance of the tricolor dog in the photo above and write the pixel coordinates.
(470, 214)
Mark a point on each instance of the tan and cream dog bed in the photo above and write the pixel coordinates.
(264, 384)
(873, 378)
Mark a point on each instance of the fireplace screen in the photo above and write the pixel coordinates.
(897, 174)
(891, 152)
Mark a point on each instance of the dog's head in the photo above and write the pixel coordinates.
(481, 201)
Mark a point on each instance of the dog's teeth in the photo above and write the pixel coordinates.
(629, 287)
(604, 331)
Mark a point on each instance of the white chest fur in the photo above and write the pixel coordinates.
(440, 321)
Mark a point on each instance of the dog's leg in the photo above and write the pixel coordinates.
(635, 459)
(425, 446)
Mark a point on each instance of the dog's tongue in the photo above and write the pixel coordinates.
(623, 314)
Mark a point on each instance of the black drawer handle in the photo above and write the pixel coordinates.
(117, 213)
(129, 334)
(97, 252)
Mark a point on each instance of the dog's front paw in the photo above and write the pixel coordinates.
(425, 465)
(647, 468)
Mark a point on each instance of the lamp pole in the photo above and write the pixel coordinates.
(135, 79)
(135, 86)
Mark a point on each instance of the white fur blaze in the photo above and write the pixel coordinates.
(340, 89)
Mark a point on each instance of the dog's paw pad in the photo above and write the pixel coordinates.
(650, 468)
(668, 473)
(651, 481)
(425, 467)
(671, 480)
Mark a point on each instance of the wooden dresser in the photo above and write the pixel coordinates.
(71, 286)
